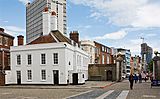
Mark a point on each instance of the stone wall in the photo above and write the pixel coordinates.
(102, 72)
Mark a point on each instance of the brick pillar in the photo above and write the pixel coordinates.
(2, 79)
(20, 40)
(74, 36)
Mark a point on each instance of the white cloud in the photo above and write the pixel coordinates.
(136, 13)
(14, 29)
(24, 1)
(114, 36)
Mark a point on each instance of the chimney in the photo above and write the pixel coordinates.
(53, 21)
(46, 21)
(1, 29)
(74, 36)
(20, 40)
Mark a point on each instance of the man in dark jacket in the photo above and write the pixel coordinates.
(131, 80)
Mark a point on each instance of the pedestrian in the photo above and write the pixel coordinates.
(140, 78)
(135, 78)
(131, 80)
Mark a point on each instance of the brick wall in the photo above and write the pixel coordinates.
(2, 79)
(99, 72)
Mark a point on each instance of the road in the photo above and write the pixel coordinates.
(121, 91)
(118, 90)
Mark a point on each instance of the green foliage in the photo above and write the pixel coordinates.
(150, 66)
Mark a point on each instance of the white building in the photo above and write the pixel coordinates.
(50, 59)
(34, 17)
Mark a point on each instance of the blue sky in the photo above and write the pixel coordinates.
(115, 23)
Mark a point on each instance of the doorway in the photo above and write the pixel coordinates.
(75, 78)
(19, 77)
(109, 75)
(56, 77)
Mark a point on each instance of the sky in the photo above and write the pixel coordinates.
(114, 23)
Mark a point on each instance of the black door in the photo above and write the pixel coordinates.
(56, 77)
(18, 77)
(109, 75)
(75, 78)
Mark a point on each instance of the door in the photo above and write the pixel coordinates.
(18, 77)
(56, 77)
(109, 75)
(75, 78)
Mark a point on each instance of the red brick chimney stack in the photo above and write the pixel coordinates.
(74, 36)
(1, 29)
(20, 40)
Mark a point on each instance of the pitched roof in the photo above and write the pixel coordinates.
(53, 37)
(5, 34)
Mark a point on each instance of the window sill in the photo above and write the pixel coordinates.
(43, 64)
(29, 65)
(55, 64)
(29, 80)
(43, 80)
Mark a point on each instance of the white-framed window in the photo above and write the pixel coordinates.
(18, 59)
(55, 58)
(1, 40)
(29, 73)
(29, 58)
(5, 41)
(43, 58)
(108, 59)
(43, 74)
(103, 59)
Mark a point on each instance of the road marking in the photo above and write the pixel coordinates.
(123, 95)
(149, 96)
(105, 94)
(78, 94)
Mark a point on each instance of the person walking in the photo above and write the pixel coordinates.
(140, 78)
(131, 80)
(135, 78)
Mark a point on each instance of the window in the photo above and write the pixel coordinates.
(18, 59)
(29, 59)
(102, 59)
(43, 74)
(5, 41)
(55, 58)
(108, 59)
(29, 72)
(1, 39)
(43, 58)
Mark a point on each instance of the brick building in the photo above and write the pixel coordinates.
(6, 41)
(99, 53)
(102, 54)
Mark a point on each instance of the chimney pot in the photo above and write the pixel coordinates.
(46, 9)
(20, 40)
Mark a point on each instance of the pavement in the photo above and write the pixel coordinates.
(88, 84)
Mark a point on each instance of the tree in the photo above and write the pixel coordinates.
(150, 66)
